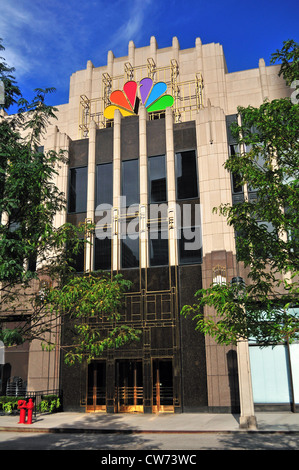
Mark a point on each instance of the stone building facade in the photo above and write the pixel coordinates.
(173, 158)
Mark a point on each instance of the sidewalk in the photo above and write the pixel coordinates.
(69, 422)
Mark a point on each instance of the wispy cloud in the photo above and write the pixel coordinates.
(47, 40)
(59, 37)
(13, 23)
(132, 27)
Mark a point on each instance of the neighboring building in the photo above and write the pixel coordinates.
(173, 158)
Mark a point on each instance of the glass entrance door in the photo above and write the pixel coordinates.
(162, 386)
(96, 387)
(129, 386)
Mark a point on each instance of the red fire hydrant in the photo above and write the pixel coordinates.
(30, 406)
(22, 406)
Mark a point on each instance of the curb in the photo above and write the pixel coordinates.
(133, 431)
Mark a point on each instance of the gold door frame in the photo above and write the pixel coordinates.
(127, 396)
(94, 407)
(156, 393)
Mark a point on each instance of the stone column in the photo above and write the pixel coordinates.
(116, 189)
(43, 366)
(63, 143)
(91, 176)
(247, 418)
(153, 49)
(89, 71)
(199, 59)
(263, 79)
(143, 188)
(171, 189)
(175, 48)
(110, 62)
(200, 64)
(131, 53)
(218, 243)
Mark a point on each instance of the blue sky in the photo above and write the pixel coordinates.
(47, 40)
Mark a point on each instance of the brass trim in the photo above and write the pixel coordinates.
(188, 95)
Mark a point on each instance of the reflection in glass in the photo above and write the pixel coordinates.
(186, 175)
(78, 190)
(102, 254)
(158, 246)
(236, 178)
(130, 181)
(104, 184)
(157, 179)
(130, 252)
(190, 248)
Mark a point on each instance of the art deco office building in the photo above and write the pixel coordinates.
(160, 173)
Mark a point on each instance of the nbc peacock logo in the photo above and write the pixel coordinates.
(152, 96)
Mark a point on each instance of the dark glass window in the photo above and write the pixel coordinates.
(236, 179)
(158, 246)
(189, 244)
(102, 259)
(130, 181)
(104, 184)
(129, 244)
(186, 175)
(130, 252)
(78, 189)
(157, 179)
(32, 261)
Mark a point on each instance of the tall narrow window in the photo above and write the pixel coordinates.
(157, 179)
(130, 252)
(104, 184)
(102, 259)
(129, 243)
(158, 248)
(78, 189)
(190, 246)
(130, 181)
(236, 179)
(186, 175)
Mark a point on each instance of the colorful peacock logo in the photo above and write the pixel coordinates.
(153, 97)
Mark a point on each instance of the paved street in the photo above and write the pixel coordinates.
(155, 441)
(137, 436)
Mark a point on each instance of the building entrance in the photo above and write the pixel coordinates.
(129, 386)
(96, 387)
(162, 386)
(127, 389)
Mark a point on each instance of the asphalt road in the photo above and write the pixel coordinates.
(148, 442)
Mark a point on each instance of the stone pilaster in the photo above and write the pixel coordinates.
(91, 184)
(116, 189)
(143, 187)
(171, 189)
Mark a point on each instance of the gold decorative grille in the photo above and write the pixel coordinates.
(188, 95)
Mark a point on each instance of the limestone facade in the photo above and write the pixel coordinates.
(205, 94)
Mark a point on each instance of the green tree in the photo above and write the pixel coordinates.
(32, 249)
(92, 308)
(12, 91)
(288, 56)
(266, 229)
(29, 201)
